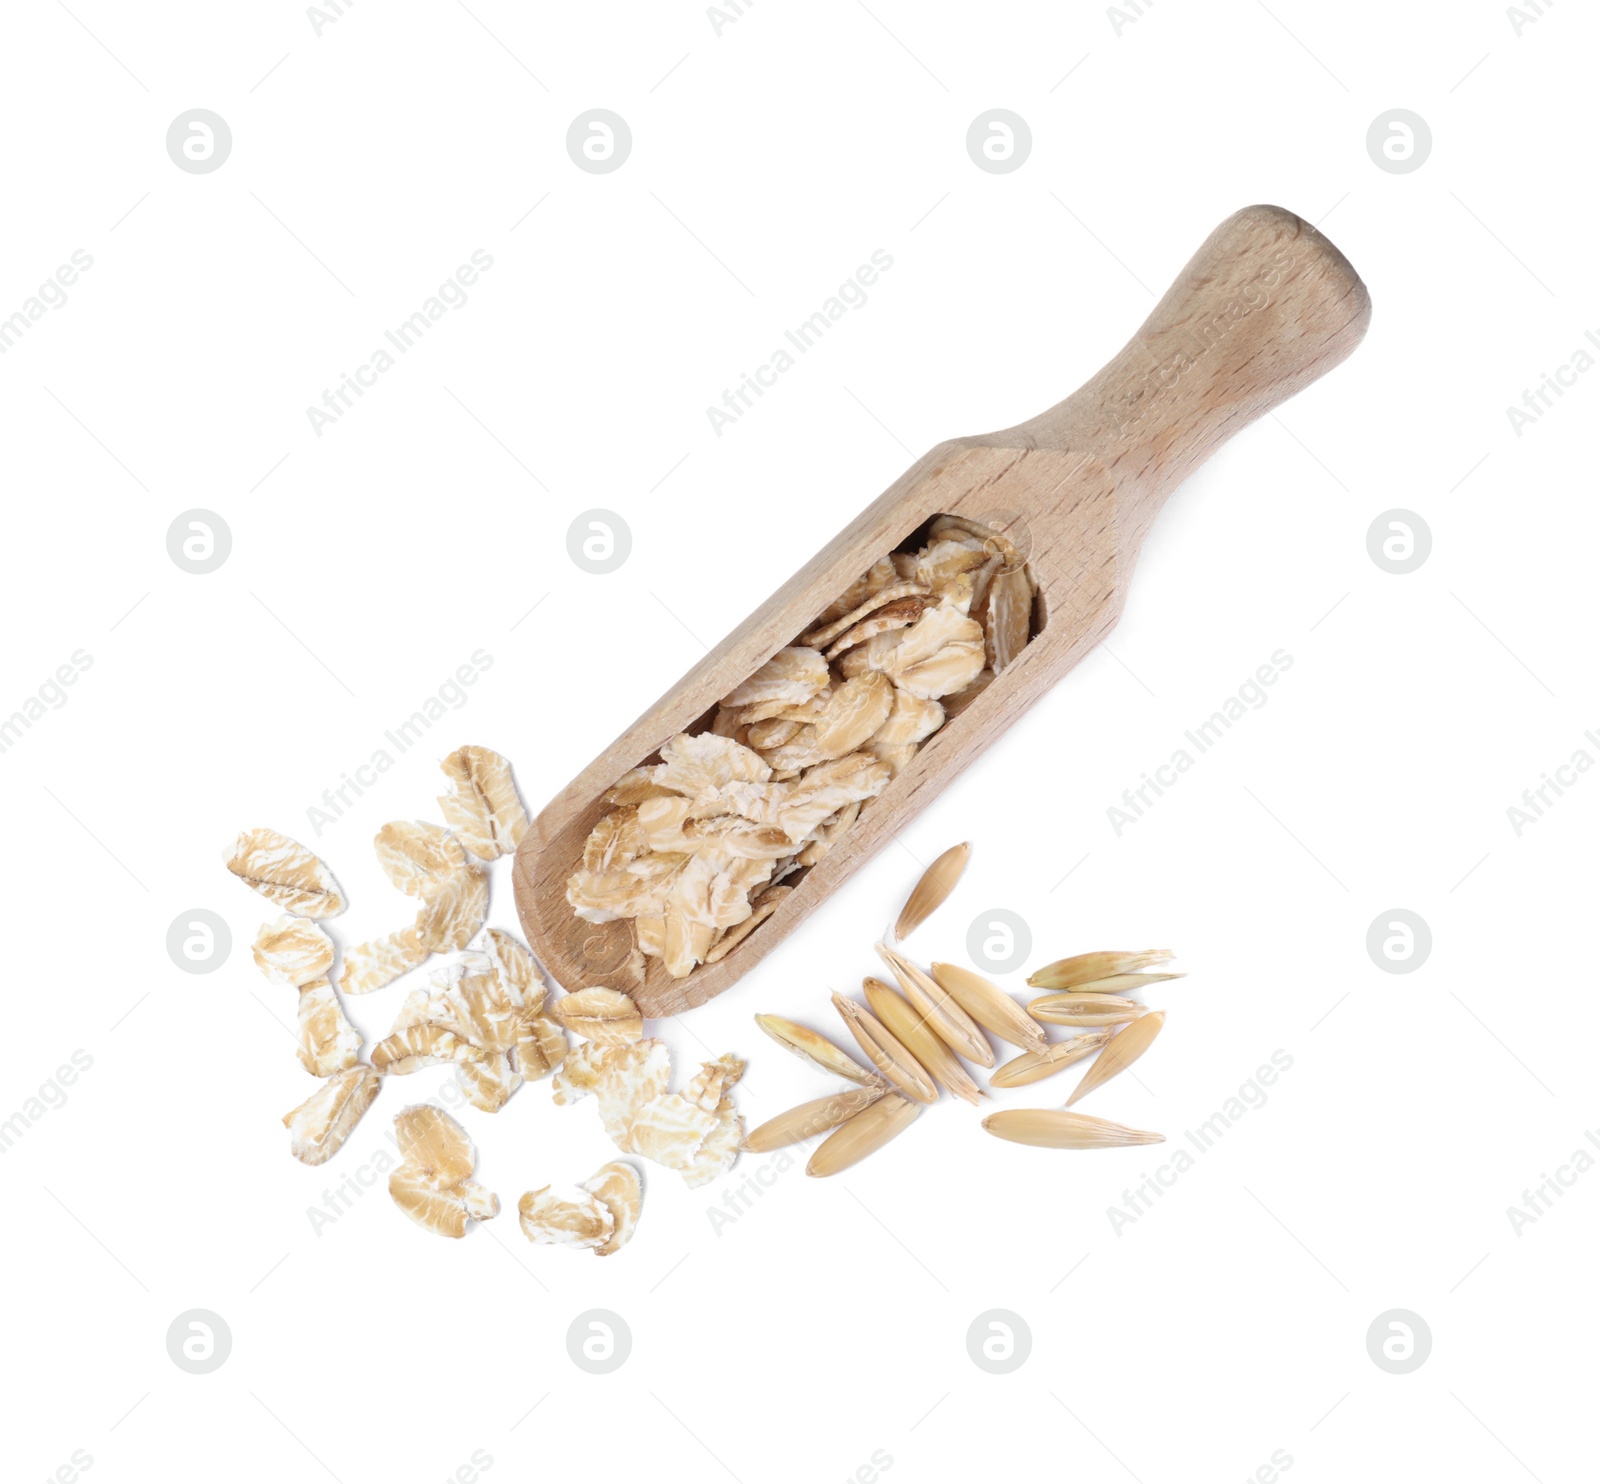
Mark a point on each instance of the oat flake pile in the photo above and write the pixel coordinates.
(699, 845)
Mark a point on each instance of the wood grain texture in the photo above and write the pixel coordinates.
(1265, 307)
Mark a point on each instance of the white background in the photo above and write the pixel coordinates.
(828, 1322)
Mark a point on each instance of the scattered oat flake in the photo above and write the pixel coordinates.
(720, 1149)
(696, 1131)
(565, 1216)
(516, 968)
(617, 1187)
(600, 1014)
(321, 1124)
(293, 950)
(541, 1046)
(413, 853)
(488, 1084)
(453, 909)
(370, 966)
(433, 1183)
(285, 872)
(419, 1046)
(431, 1139)
(482, 806)
(328, 1042)
(670, 1130)
(622, 1078)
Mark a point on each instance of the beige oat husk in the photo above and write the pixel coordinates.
(809, 1120)
(862, 1135)
(915, 1034)
(990, 1006)
(818, 1050)
(886, 1052)
(1055, 1128)
(952, 1024)
(1122, 984)
(1120, 1053)
(930, 892)
(1068, 973)
(1072, 1008)
(1035, 1066)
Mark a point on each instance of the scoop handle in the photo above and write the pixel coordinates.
(1265, 307)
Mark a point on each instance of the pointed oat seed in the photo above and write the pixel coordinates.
(886, 1052)
(864, 1134)
(914, 1032)
(1121, 1052)
(953, 1025)
(810, 1119)
(818, 1050)
(1067, 973)
(929, 894)
(1055, 1128)
(1085, 1009)
(1122, 984)
(1035, 1066)
(990, 1006)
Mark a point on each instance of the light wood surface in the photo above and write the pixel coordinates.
(1265, 307)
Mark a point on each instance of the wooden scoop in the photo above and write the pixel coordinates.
(1264, 308)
